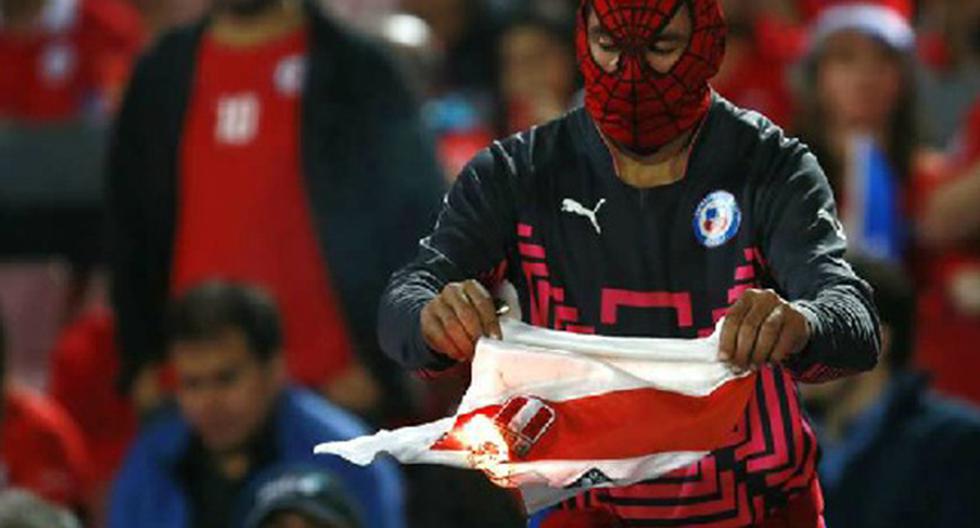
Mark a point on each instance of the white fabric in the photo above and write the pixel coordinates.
(558, 366)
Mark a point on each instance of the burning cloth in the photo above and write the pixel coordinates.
(554, 413)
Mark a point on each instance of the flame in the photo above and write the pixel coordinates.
(488, 449)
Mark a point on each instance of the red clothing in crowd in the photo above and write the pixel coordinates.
(754, 74)
(41, 449)
(971, 138)
(243, 209)
(947, 340)
(84, 366)
(79, 53)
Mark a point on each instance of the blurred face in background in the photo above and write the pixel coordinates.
(537, 73)
(859, 82)
(534, 61)
(225, 391)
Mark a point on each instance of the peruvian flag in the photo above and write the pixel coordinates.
(553, 413)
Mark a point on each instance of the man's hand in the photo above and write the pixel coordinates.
(459, 316)
(761, 327)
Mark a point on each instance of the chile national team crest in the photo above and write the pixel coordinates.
(717, 219)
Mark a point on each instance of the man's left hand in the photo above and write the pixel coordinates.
(762, 327)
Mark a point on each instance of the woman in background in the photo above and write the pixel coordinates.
(859, 117)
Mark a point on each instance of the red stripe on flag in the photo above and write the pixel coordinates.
(632, 423)
(537, 425)
(510, 410)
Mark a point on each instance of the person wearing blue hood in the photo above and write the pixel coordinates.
(235, 418)
(894, 452)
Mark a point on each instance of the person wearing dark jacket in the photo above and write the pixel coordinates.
(895, 453)
(655, 211)
(265, 143)
(236, 419)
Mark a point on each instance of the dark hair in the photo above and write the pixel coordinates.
(212, 308)
(895, 297)
(903, 130)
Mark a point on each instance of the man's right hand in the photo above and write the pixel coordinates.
(458, 317)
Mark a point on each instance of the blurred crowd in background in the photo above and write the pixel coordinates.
(133, 236)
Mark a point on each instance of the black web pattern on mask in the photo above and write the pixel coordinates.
(636, 23)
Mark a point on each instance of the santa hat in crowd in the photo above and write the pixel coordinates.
(886, 20)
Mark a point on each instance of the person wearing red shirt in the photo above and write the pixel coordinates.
(41, 448)
(949, 267)
(83, 358)
(267, 145)
(64, 57)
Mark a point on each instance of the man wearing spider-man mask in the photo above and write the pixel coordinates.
(646, 67)
(654, 211)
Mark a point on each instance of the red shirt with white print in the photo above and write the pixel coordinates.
(243, 210)
(77, 55)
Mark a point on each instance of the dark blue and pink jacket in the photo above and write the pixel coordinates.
(588, 253)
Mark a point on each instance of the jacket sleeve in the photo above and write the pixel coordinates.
(127, 227)
(469, 241)
(804, 244)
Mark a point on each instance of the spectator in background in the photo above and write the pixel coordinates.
(41, 449)
(948, 266)
(859, 117)
(951, 217)
(63, 64)
(464, 29)
(537, 68)
(266, 143)
(62, 58)
(300, 498)
(460, 77)
(762, 42)
(455, 120)
(20, 509)
(237, 417)
(894, 454)
(950, 79)
(82, 363)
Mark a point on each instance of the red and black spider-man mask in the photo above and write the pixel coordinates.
(638, 107)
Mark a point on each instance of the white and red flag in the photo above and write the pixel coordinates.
(554, 413)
